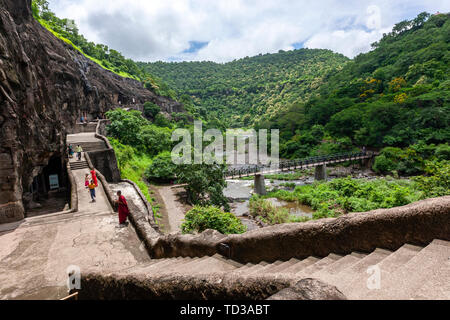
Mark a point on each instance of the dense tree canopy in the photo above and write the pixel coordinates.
(243, 91)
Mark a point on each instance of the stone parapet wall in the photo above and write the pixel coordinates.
(418, 223)
(118, 286)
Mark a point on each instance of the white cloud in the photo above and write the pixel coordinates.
(350, 43)
(162, 29)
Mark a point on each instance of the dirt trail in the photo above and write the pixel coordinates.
(172, 209)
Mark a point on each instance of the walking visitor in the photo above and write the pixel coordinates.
(92, 187)
(79, 151)
(94, 177)
(71, 152)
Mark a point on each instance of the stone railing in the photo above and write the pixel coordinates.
(418, 223)
(73, 190)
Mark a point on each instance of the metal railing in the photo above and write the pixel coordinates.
(288, 165)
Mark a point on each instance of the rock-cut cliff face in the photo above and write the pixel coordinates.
(44, 85)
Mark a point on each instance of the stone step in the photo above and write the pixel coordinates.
(319, 265)
(339, 264)
(405, 282)
(253, 270)
(156, 266)
(187, 266)
(268, 267)
(299, 266)
(437, 287)
(345, 279)
(283, 266)
(358, 287)
(171, 267)
(215, 263)
(79, 166)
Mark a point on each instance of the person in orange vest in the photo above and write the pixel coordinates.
(92, 187)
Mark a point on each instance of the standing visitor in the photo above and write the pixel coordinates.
(79, 151)
(123, 209)
(71, 152)
(92, 187)
(94, 177)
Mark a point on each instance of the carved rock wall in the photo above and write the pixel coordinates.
(44, 84)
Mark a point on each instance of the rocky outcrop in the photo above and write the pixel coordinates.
(44, 84)
(309, 289)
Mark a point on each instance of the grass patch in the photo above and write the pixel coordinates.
(57, 35)
(345, 195)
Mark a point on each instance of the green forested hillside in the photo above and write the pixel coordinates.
(396, 95)
(242, 92)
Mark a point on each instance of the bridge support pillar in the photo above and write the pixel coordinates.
(260, 185)
(320, 173)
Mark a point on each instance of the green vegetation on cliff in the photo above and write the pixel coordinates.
(107, 58)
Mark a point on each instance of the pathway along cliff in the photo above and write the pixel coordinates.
(45, 84)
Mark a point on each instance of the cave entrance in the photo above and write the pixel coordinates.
(50, 190)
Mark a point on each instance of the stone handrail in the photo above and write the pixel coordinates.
(418, 223)
(73, 190)
(100, 136)
(150, 216)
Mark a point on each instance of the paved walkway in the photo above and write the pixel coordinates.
(84, 198)
(35, 255)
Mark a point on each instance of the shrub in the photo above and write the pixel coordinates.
(437, 183)
(151, 110)
(200, 219)
(270, 214)
(162, 168)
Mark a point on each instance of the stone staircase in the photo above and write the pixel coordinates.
(79, 165)
(411, 272)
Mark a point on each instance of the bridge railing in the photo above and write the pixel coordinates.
(300, 163)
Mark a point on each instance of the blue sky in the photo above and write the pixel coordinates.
(224, 30)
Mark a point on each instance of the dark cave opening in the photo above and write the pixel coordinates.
(50, 190)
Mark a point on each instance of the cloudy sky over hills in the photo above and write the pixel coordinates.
(223, 30)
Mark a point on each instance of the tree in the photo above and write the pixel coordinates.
(151, 109)
(162, 168)
(205, 184)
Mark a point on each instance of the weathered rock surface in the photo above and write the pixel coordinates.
(309, 289)
(44, 84)
(214, 286)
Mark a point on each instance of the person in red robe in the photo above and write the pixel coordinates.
(123, 208)
(94, 177)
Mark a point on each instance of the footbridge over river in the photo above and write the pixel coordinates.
(319, 163)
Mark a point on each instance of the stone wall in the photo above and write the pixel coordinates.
(120, 286)
(418, 223)
(105, 161)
